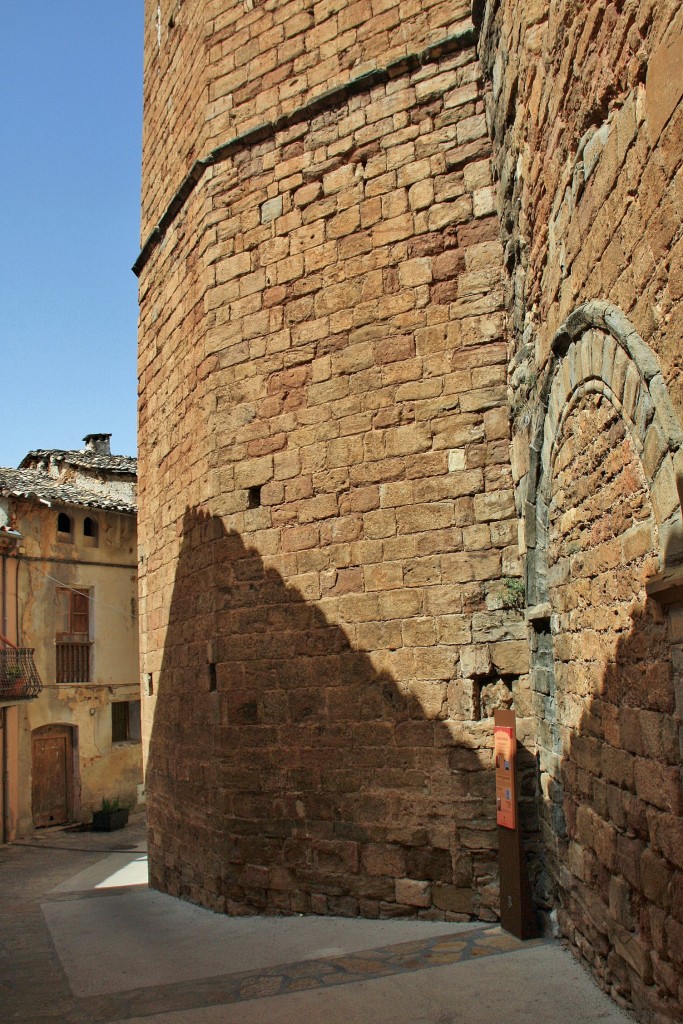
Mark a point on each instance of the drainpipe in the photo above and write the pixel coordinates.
(5, 768)
(3, 730)
(5, 778)
(8, 540)
(11, 537)
(3, 630)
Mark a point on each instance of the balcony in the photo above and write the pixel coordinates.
(73, 661)
(19, 679)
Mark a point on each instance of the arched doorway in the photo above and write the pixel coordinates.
(603, 519)
(52, 749)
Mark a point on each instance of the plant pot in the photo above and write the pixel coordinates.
(15, 687)
(109, 821)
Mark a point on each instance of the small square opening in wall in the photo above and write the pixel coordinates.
(125, 721)
(254, 497)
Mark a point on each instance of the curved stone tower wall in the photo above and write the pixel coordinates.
(327, 520)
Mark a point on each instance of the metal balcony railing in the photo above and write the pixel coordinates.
(73, 662)
(19, 679)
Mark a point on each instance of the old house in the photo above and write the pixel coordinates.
(411, 419)
(69, 593)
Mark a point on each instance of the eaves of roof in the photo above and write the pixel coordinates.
(82, 459)
(31, 484)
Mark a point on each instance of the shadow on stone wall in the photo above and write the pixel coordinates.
(603, 690)
(287, 774)
(620, 860)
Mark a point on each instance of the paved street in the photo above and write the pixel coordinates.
(84, 941)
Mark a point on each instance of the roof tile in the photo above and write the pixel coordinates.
(33, 483)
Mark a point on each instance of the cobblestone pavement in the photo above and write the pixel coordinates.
(84, 941)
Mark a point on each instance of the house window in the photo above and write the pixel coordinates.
(90, 532)
(72, 635)
(125, 721)
(63, 527)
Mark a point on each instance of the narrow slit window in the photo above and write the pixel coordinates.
(254, 497)
(90, 531)
(63, 526)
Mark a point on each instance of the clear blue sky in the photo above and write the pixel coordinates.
(70, 115)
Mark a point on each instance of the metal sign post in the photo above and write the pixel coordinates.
(516, 910)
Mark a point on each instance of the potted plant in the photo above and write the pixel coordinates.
(15, 683)
(110, 817)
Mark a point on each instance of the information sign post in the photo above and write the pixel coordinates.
(516, 910)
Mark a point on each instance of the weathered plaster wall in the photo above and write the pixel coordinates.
(9, 726)
(108, 570)
(10, 799)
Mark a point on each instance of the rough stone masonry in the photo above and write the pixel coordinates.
(410, 433)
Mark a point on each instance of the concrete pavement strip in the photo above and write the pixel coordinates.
(83, 940)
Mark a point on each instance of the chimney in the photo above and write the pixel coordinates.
(97, 443)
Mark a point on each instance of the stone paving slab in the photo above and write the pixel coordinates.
(546, 986)
(106, 940)
(76, 947)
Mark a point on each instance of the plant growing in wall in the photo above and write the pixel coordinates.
(514, 593)
(524, 385)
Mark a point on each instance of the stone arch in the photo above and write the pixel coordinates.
(597, 349)
(603, 521)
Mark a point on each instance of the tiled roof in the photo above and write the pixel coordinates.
(82, 459)
(32, 483)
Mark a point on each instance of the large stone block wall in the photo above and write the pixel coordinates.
(175, 90)
(602, 517)
(219, 69)
(327, 515)
(368, 374)
(586, 118)
(266, 58)
(620, 771)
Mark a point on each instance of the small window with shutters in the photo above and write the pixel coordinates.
(72, 635)
(73, 614)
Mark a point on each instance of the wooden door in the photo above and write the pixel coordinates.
(52, 775)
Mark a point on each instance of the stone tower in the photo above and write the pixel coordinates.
(409, 445)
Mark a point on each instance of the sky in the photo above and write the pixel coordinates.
(71, 116)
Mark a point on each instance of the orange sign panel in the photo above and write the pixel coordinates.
(505, 750)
